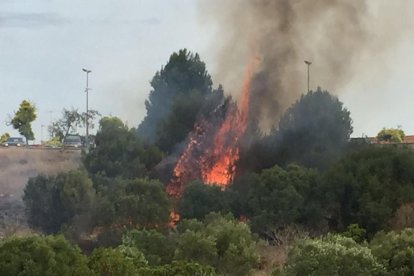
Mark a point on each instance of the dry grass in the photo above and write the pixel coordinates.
(17, 165)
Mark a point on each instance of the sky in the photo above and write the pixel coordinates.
(44, 44)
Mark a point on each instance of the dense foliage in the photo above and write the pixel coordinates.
(119, 152)
(368, 186)
(178, 91)
(23, 118)
(331, 255)
(303, 179)
(41, 256)
(54, 201)
(394, 135)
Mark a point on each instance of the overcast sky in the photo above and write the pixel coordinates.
(44, 44)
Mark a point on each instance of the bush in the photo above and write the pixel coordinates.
(395, 250)
(42, 256)
(331, 255)
(54, 201)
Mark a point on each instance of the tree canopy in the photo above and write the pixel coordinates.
(70, 121)
(54, 201)
(120, 152)
(41, 256)
(23, 118)
(368, 186)
(394, 135)
(178, 91)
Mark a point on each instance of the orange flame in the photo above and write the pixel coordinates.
(216, 165)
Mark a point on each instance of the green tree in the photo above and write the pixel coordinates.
(178, 91)
(41, 256)
(331, 255)
(54, 201)
(223, 243)
(111, 262)
(136, 203)
(199, 199)
(394, 135)
(119, 152)
(4, 137)
(181, 268)
(23, 118)
(281, 197)
(313, 132)
(157, 248)
(71, 119)
(395, 250)
(368, 186)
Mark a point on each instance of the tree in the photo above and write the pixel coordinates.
(178, 268)
(157, 248)
(223, 243)
(281, 197)
(111, 262)
(313, 132)
(394, 135)
(367, 187)
(4, 137)
(41, 256)
(178, 90)
(71, 119)
(199, 199)
(54, 201)
(23, 118)
(331, 255)
(119, 152)
(395, 250)
(133, 204)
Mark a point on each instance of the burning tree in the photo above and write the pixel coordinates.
(213, 147)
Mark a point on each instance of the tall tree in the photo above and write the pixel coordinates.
(314, 132)
(23, 118)
(178, 90)
(70, 121)
(120, 151)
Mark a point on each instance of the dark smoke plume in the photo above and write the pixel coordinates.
(333, 34)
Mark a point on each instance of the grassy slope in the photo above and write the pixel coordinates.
(17, 165)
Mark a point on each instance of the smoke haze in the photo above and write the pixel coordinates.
(335, 35)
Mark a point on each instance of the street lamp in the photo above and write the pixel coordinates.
(308, 63)
(87, 110)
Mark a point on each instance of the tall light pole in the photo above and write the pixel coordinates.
(87, 109)
(308, 63)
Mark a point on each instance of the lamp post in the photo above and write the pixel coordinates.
(308, 63)
(87, 110)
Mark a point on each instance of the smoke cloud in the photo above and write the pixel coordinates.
(335, 35)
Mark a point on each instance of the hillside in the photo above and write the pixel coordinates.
(17, 165)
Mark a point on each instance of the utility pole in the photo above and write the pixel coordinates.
(87, 108)
(308, 63)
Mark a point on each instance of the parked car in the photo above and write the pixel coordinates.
(72, 141)
(14, 142)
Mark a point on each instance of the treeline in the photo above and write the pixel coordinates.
(343, 198)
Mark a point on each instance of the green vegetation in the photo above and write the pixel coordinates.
(70, 121)
(331, 255)
(41, 256)
(316, 202)
(4, 137)
(177, 94)
(393, 135)
(119, 152)
(23, 118)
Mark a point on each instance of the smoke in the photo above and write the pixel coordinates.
(335, 35)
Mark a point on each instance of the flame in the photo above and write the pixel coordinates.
(216, 163)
